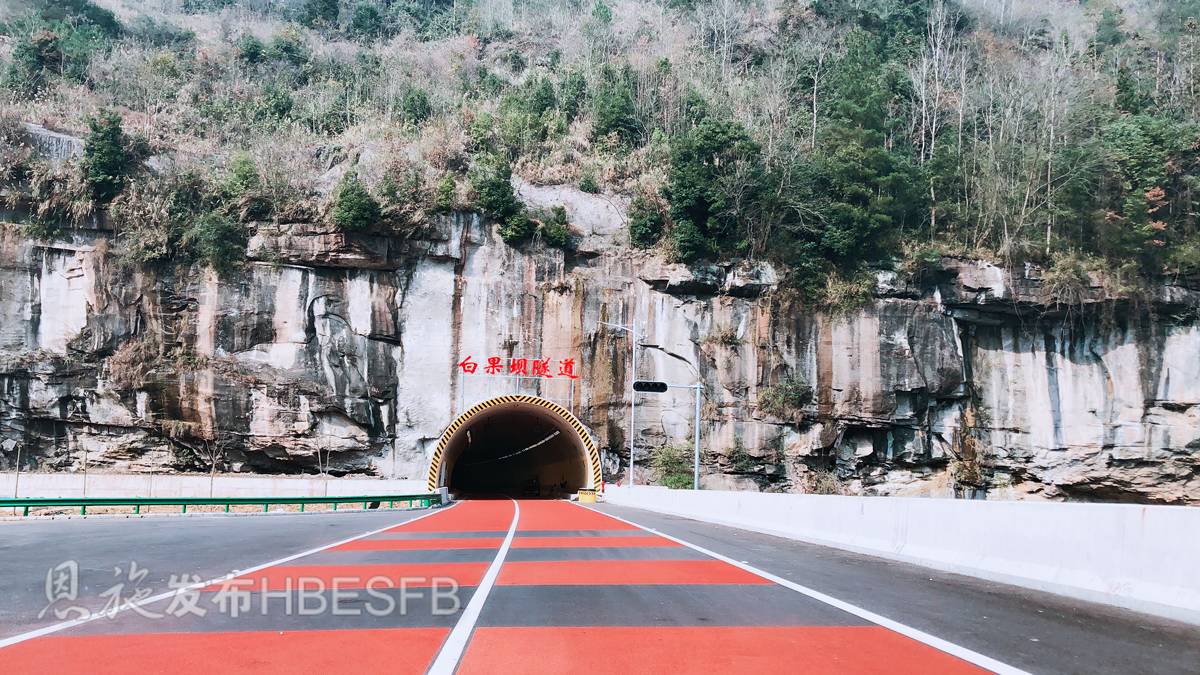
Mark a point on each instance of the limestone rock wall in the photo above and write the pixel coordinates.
(334, 351)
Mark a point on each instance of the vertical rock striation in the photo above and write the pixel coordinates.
(340, 352)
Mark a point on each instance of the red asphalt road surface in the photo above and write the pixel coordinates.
(577, 592)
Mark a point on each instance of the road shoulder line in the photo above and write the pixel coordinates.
(908, 631)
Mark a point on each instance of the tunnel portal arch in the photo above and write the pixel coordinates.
(456, 439)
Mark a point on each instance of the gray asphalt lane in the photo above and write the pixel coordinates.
(1038, 632)
(207, 546)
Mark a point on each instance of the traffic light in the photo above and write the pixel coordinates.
(650, 386)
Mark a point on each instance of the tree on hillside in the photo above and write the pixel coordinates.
(366, 23)
(1146, 197)
(867, 189)
(80, 12)
(613, 110)
(645, 222)
(319, 13)
(1109, 30)
(887, 18)
(217, 240)
(714, 174)
(491, 178)
(415, 107)
(34, 59)
(108, 159)
(354, 208)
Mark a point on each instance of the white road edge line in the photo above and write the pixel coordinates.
(54, 628)
(456, 643)
(938, 643)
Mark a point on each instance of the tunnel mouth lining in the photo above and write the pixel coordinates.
(442, 464)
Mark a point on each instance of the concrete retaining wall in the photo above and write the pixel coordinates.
(1145, 558)
(135, 485)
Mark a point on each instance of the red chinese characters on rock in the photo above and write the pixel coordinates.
(566, 368)
(523, 367)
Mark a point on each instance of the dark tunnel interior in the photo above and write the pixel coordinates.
(517, 450)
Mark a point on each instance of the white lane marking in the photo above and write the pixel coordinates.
(54, 628)
(920, 636)
(456, 643)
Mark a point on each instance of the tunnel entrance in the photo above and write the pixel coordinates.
(521, 446)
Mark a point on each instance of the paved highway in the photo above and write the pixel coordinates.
(529, 586)
(207, 546)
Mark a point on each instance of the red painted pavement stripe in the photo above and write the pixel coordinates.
(354, 576)
(863, 650)
(604, 572)
(587, 542)
(393, 650)
(419, 544)
(471, 516)
(556, 515)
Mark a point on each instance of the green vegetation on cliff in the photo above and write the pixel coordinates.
(827, 136)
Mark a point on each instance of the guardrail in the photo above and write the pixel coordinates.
(421, 501)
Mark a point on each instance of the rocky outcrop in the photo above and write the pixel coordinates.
(54, 146)
(338, 351)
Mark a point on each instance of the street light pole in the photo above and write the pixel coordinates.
(17, 480)
(632, 330)
(696, 442)
(632, 396)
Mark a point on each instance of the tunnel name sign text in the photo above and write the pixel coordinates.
(495, 365)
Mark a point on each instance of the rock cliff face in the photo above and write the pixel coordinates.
(338, 351)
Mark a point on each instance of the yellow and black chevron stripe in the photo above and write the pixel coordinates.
(435, 464)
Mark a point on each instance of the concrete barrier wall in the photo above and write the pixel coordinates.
(1145, 558)
(136, 485)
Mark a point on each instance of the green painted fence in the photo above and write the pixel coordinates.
(422, 501)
